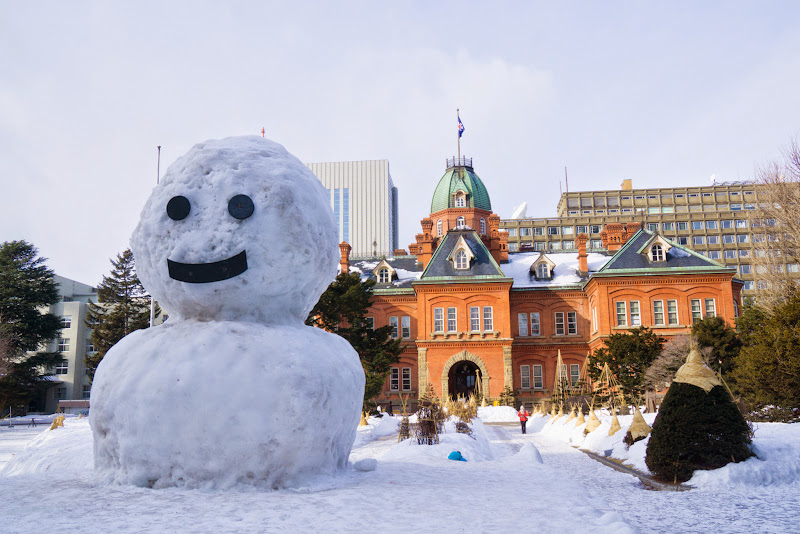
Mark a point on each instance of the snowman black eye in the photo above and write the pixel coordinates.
(178, 208)
(240, 207)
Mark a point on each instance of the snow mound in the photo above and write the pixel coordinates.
(498, 414)
(473, 448)
(66, 449)
(529, 453)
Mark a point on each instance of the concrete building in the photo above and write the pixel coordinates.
(718, 221)
(70, 380)
(364, 202)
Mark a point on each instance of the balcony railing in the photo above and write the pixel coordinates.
(463, 161)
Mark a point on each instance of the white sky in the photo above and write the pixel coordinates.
(665, 93)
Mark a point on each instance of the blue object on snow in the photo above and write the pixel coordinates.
(456, 455)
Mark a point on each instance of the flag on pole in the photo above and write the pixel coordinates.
(460, 128)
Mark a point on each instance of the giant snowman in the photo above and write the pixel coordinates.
(237, 243)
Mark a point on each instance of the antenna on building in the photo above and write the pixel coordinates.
(566, 178)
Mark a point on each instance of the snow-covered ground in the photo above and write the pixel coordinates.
(511, 482)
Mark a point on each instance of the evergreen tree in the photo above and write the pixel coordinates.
(721, 340)
(628, 357)
(26, 285)
(767, 369)
(696, 430)
(342, 309)
(124, 307)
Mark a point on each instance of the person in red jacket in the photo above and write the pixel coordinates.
(523, 417)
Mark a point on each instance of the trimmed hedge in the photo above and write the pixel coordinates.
(696, 430)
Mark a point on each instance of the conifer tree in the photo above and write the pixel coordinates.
(342, 309)
(718, 342)
(124, 307)
(26, 285)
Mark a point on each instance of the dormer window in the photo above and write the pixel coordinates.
(657, 253)
(461, 256)
(461, 260)
(461, 199)
(543, 271)
(384, 273)
(461, 221)
(483, 226)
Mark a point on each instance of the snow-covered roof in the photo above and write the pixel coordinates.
(564, 274)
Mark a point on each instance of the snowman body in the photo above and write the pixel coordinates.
(237, 243)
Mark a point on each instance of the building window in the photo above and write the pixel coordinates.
(393, 324)
(711, 308)
(594, 319)
(405, 327)
(383, 276)
(61, 393)
(622, 315)
(525, 376)
(657, 253)
(461, 260)
(658, 312)
(714, 254)
(699, 240)
(713, 240)
(461, 221)
(697, 225)
(683, 240)
(62, 367)
(653, 227)
(488, 323)
(668, 226)
(583, 229)
(595, 228)
(370, 322)
(749, 285)
(394, 379)
(522, 321)
(538, 380)
(512, 232)
(63, 344)
(635, 316)
(729, 239)
(697, 312)
(535, 324)
(524, 232)
(406, 378)
(742, 238)
(555, 245)
(572, 323)
(743, 253)
(438, 319)
(452, 325)
(567, 230)
(559, 323)
(483, 226)
(727, 224)
(745, 268)
(474, 318)
(87, 392)
(574, 373)
(711, 225)
(552, 230)
(538, 231)
(439, 227)
(543, 270)
(683, 225)
(672, 311)
(66, 321)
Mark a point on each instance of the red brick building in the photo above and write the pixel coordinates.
(467, 310)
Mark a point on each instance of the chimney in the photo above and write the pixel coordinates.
(583, 264)
(344, 262)
(614, 235)
(626, 185)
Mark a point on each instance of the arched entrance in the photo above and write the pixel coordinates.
(454, 371)
(462, 379)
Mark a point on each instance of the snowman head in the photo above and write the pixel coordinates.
(237, 229)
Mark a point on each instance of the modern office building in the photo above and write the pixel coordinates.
(364, 202)
(70, 381)
(719, 221)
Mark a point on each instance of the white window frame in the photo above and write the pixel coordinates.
(657, 253)
(672, 312)
(405, 327)
(66, 321)
(710, 308)
(439, 227)
(474, 318)
(383, 276)
(63, 344)
(438, 319)
(452, 319)
(394, 379)
(62, 367)
(635, 313)
(461, 261)
(525, 376)
(622, 313)
(572, 323)
(658, 313)
(560, 328)
(696, 309)
(488, 319)
(538, 377)
(394, 323)
(574, 374)
(594, 318)
(522, 324)
(536, 321)
(406, 379)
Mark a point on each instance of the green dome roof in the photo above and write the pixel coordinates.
(460, 178)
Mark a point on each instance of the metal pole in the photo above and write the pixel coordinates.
(158, 179)
(458, 131)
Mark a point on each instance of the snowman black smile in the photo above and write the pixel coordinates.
(203, 273)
